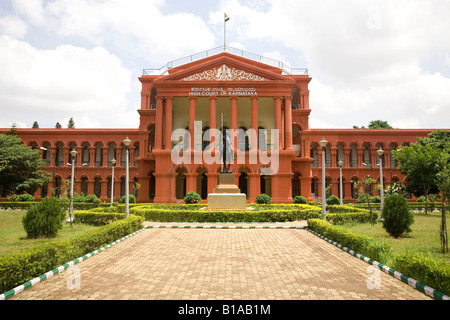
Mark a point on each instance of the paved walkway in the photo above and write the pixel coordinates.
(239, 264)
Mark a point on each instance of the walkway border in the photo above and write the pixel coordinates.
(10, 293)
(433, 293)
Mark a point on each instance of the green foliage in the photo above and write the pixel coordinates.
(397, 216)
(131, 199)
(79, 198)
(379, 124)
(332, 200)
(18, 268)
(25, 197)
(20, 166)
(263, 198)
(71, 124)
(300, 200)
(369, 247)
(432, 271)
(43, 219)
(91, 197)
(192, 197)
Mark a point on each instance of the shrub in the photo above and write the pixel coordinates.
(300, 200)
(44, 219)
(192, 197)
(91, 197)
(397, 216)
(131, 198)
(79, 198)
(333, 200)
(263, 198)
(64, 202)
(25, 197)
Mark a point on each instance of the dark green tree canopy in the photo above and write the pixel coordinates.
(71, 124)
(376, 124)
(20, 166)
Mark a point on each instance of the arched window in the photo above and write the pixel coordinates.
(180, 184)
(202, 183)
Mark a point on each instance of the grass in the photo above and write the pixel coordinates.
(423, 237)
(13, 237)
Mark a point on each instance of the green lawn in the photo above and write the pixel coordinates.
(13, 237)
(424, 235)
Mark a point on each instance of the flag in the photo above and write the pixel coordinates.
(226, 17)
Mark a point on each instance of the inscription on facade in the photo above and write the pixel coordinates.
(222, 92)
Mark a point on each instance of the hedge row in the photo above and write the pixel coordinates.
(433, 273)
(95, 217)
(369, 247)
(21, 267)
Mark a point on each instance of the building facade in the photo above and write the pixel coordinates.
(175, 149)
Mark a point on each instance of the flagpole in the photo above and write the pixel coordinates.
(224, 31)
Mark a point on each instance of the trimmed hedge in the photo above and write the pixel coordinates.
(369, 247)
(21, 267)
(95, 217)
(435, 273)
(425, 269)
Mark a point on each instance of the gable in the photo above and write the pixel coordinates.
(224, 67)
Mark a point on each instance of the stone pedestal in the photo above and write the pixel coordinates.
(227, 195)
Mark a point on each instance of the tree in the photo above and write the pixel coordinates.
(376, 124)
(379, 124)
(58, 125)
(443, 182)
(13, 130)
(419, 163)
(71, 124)
(362, 185)
(20, 166)
(35, 125)
(397, 216)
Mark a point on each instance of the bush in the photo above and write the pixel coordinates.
(25, 197)
(263, 198)
(131, 199)
(44, 219)
(397, 216)
(300, 200)
(91, 197)
(79, 198)
(333, 200)
(192, 197)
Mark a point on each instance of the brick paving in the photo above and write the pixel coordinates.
(221, 264)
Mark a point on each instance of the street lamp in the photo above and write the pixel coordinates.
(127, 143)
(113, 162)
(340, 163)
(73, 153)
(380, 153)
(323, 143)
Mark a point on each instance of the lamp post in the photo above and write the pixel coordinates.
(380, 153)
(340, 163)
(127, 143)
(73, 153)
(113, 162)
(323, 143)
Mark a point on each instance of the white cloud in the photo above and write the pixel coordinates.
(13, 26)
(89, 85)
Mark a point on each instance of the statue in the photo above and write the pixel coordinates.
(226, 151)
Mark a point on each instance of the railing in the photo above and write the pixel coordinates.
(208, 53)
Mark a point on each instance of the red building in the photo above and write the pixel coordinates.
(275, 150)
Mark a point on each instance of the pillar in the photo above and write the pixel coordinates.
(288, 123)
(168, 124)
(192, 102)
(255, 185)
(254, 124)
(159, 123)
(278, 118)
(233, 120)
(212, 117)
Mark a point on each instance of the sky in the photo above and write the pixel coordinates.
(369, 60)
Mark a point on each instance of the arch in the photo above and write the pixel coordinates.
(296, 142)
(295, 102)
(153, 94)
(367, 159)
(151, 137)
(180, 182)
(202, 182)
(151, 186)
(340, 153)
(296, 185)
(98, 186)
(98, 154)
(59, 154)
(354, 188)
(84, 185)
(244, 184)
(112, 153)
(85, 154)
(353, 155)
(315, 187)
(314, 154)
(266, 184)
(242, 139)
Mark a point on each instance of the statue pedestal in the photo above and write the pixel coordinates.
(227, 195)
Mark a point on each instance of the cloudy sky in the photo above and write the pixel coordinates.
(368, 59)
